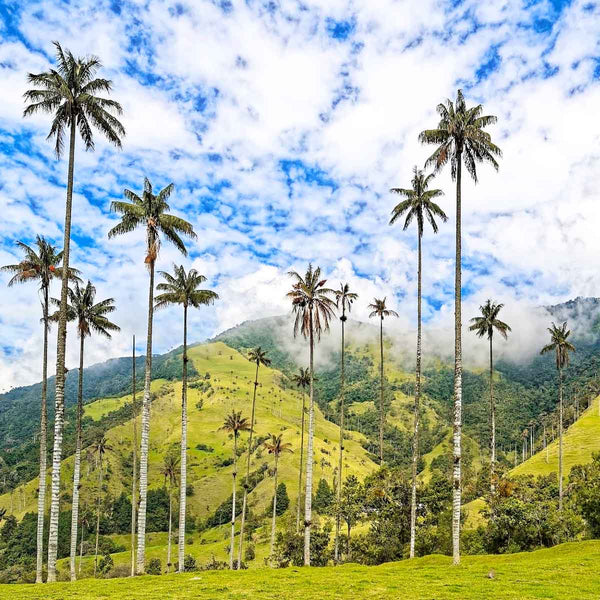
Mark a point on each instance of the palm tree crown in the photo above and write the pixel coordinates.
(234, 423)
(150, 210)
(169, 469)
(90, 316)
(310, 297)
(559, 343)
(302, 378)
(419, 203)
(258, 356)
(68, 92)
(100, 447)
(42, 265)
(489, 321)
(379, 309)
(460, 135)
(344, 299)
(276, 446)
(182, 288)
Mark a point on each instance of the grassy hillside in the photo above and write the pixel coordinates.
(564, 572)
(579, 442)
(231, 376)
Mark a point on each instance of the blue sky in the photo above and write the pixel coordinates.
(283, 125)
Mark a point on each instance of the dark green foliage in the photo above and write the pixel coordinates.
(106, 564)
(283, 500)
(121, 514)
(204, 448)
(323, 498)
(223, 513)
(189, 563)
(289, 547)
(584, 488)
(157, 516)
(154, 567)
(189, 490)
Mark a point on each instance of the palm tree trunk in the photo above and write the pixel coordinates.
(141, 551)
(560, 439)
(457, 421)
(43, 443)
(244, 502)
(349, 546)
(81, 547)
(309, 449)
(415, 448)
(233, 501)
(98, 514)
(61, 346)
(77, 467)
(301, 458)
(340, 466)
(274, 520)
(169, 540)
(381, 416)
(183, 461)
(492, 425)
(134, 476)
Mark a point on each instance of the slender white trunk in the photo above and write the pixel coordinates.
(98, 502)
(43, 443)
(492, 425)
(169, 539)
(274, 519)
(309, 451)
(141, 550)
(59, 401)
(341, 459)
(183, 461)
(415, 449)
(457, 420)
(134, 474)
(246, 483)
(560, 440)
(231, 549)
(301, 459)
(381, 409)
(77, 467)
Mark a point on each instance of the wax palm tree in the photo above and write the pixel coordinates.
(169, 472)
(275, 446)
(259, 357)
(149, 211)
(460, 138)
(184, 289)
(485, 326)
(418, 205)
(42, 265)
(91, 316)
(68, 93)
(559, 343)
(100, 447)
(134, 411)
(302, 380)
(234, 423)
(343, 299)
(314, 307)
(379, 309)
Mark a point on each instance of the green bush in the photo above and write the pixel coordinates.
(154, 567)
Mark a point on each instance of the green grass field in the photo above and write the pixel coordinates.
(564, 572)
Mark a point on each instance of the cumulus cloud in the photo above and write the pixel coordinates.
(283, 126)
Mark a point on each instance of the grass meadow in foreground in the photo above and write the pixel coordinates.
(566, 571)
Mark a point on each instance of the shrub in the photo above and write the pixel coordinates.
(106, 564)
(189, 563)
(154, 567)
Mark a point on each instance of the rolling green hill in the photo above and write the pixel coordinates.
(565, 572)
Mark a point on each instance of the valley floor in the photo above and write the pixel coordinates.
(568, 571)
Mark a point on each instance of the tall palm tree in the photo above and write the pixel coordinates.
(149, 211)
(380, 310)
(42, 265)
(460, 137)
(485, 326)
(67, 92)
(559, 342)
(183, 288)
(343, 299)
(314, 307)
(302, 380)
(90, 317)
(134, 412)
(100, 447)
(259, 357)
(418, 205)
(234, 423)
(169, 472)
(275, 446)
